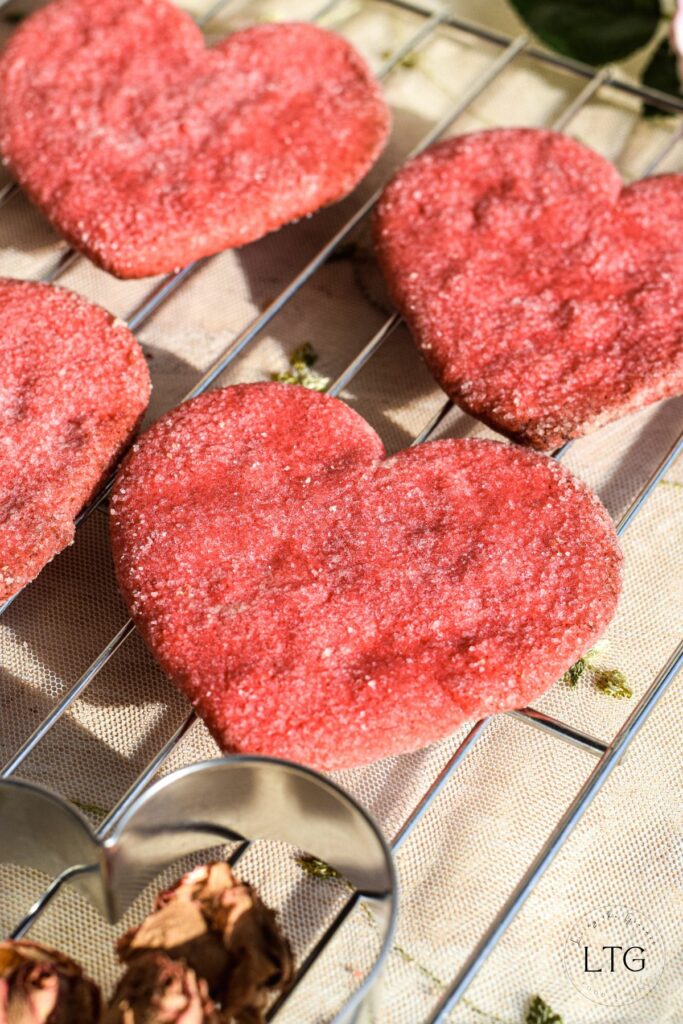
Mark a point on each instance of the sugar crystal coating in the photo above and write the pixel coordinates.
(546, 299)
(321, 602)
(146, 150)
(73, 387)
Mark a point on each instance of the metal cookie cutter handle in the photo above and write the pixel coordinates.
(227, 799)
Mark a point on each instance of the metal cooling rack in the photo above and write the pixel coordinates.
(607, 754)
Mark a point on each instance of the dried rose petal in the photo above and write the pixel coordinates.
(221, 929)
(42, 986)
(159, 990)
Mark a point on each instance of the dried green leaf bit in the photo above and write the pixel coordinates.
(613, 682)
(540, 1013)
(301, 371)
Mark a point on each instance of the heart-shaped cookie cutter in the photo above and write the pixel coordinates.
(231, 799)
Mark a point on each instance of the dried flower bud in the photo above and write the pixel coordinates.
(221, 929)
(42, 986)
(158, 990)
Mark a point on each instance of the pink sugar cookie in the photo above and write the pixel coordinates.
(73, 387)
(147, 150)
(318, 601)
(546, 299)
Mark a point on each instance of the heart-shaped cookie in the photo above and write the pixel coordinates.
(147, 151)
(546, 299)
(321, 602)
(73, 387)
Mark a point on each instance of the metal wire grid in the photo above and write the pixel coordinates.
(608, 754)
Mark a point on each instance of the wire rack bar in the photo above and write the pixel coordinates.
(433, 424)
(562, 730)
(67, 700)
(326, 9)
(411, 44)
(365, 354)
(590, 789)
(36, 910)
(220, 5)
(106, 825)
(160, 294)
(665, 464)
(397, 842)
(664, 101)
(589, 90)
(7, 192)
(439, 783)
(65, 261)
(664, 152)
(311, 957)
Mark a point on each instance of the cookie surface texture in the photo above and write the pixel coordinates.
(153, 151)
(321, 602)
(546, 299)
(73, 387)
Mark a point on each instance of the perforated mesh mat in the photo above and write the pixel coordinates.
(470, 849)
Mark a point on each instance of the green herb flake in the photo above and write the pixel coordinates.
(301, 363)
(574, 672)
(612, 682)
(92, 810)
(540, 1013)
(317, 868)
(580, 667)
(411, 60)
(408, 958)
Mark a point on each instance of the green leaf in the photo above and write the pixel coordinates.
(662, 73)
(594, 31)
(540, 1013)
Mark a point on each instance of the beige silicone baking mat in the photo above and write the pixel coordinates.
(471, 848)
